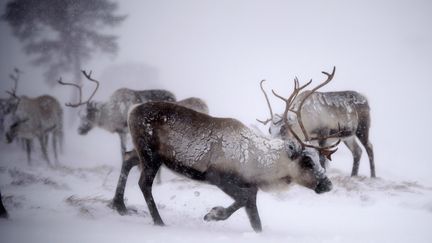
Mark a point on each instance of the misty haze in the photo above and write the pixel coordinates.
(118, 117)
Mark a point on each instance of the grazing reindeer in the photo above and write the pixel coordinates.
(29, 118)
(325, 113)
(3, 212)
(222, 152)
(36, 118)
(112, 116)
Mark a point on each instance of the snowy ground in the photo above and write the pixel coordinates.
(69, 204)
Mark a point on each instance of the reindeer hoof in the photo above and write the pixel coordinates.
(119, 206)
(216, 214)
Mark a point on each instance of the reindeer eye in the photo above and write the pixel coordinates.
(306, 163)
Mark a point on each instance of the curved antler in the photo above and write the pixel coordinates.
(289, 102)
(88, 76)
(298, 112)
(268, 104)
(60, 81)
(15, 78)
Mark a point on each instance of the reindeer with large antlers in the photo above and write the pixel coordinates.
(327, 116)
(38, 117)
(222, 152)
(112, 116)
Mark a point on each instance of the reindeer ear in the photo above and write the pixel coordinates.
(328, 153)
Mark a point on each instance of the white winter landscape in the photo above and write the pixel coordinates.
(220, 51)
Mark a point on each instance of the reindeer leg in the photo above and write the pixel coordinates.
(356, 151)
(244, 195)
(369, 150)
(151, 165)
(122, 136)
(54, 144)
(42, 142)
(131, 160)
(364, 139)
(28, 143)
(3, 212)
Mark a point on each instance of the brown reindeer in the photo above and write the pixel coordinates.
(322, 115)
(27, 118)
(222, 152)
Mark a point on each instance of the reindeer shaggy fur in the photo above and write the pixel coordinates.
(36, 118)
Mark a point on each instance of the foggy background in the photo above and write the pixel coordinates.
(220, 50)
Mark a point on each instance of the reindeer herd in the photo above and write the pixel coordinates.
(183, 137)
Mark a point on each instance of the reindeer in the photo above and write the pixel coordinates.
(324, 114)
(222, 152)
(112, 116)
(3, 212)
(36, 118)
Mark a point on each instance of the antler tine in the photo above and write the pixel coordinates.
(268, 104)
(15, 78)
(60, 81)
(289, 102)
(290, 99)
(88, 76)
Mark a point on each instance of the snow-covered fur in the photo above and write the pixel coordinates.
(220, 151)
(36, 118)
(322, 114)
(131, 157)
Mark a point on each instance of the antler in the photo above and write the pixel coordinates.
(88, 76)
(289, 102)
(268, 104)
(298, 112)
(15, 78)
(60, 81)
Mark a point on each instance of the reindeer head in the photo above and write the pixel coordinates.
(17, 121)
(89, 113)
(305, 168)
(13, 127)
(88, 116)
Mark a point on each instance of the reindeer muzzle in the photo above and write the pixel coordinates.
(324, 185)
